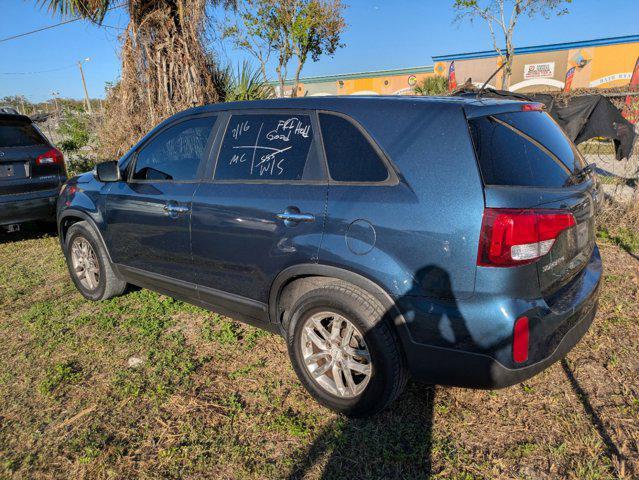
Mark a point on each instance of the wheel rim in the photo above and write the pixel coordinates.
(335, 354)
(85, 263)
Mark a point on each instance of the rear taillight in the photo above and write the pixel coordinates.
(52, 157)
(517, 237)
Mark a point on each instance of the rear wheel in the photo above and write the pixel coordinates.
(89, 265)
(343, 350)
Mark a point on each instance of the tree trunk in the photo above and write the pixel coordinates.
(507, 71)
(296, 81)
(165, 68)
(505, 75)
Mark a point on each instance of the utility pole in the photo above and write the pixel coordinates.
(87, 103)
(55, 99)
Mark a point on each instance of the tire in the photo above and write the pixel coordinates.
(388, 374)
(105, 284)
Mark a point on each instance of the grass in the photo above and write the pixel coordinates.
(625, 238)
(601, 147)
(209, 397)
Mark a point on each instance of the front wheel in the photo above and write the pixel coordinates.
(89, 264)
(343, 350)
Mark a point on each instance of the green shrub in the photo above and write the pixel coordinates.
(75, 130)
(431, 86)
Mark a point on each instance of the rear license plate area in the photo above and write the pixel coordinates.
(583, 235)
(14, 170)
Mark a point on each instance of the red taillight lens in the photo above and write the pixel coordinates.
(520, 340)
(52, 157)
(517, 237)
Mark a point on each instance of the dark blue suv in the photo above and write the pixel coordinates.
(32, 171)
(447, 239)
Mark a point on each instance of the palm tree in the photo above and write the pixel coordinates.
(165, 67)
(247, 83)
(430, 86)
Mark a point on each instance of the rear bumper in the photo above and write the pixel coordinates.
(26, 207)
(484, 362)
(475, 370)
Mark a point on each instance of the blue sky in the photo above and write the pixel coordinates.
(380, 35)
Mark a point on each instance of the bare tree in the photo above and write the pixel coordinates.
(502, 16)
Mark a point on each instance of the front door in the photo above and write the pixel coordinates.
(149, 214)
(263, 210)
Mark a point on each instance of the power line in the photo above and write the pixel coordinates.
(65, 22)
(13, 37)
(38, 72)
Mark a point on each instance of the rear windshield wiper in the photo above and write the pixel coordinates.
(582, 172)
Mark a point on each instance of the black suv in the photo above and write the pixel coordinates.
(31, 172)
(446, 238)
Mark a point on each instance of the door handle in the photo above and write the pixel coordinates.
(292, 216)
(173, 209)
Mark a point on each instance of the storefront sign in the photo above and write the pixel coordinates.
(539, 70)
(611, 78)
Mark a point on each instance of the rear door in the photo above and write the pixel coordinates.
(20, 146)
(263, 209)
(148, 214)
(527, 161)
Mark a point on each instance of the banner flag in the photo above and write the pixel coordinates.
(452, 81)
(631, 112)
(569, 76)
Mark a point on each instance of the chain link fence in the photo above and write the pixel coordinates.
(619, 183)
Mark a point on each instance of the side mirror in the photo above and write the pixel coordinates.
(108, 171)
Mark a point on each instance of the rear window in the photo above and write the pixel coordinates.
(19, 134)
(524, 149)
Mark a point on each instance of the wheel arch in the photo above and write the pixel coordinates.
(306, 276)
(70, 217)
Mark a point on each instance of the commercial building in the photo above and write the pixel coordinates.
(600, 63)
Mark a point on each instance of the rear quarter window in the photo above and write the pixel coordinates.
(523, 149)
(19, 134)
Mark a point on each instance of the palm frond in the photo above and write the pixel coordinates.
(246, 83)
(93, 10)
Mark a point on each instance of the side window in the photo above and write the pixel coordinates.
(265, 147)
(350, 156)
(176, 153)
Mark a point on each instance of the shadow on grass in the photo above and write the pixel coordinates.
(611, 449)
(29, 231)
(396, 443)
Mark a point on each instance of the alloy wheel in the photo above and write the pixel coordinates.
(85, 263)
(335, 354)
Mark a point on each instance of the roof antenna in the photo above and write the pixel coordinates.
(483, 87)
